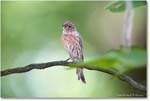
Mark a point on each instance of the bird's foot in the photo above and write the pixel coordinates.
(67, 59)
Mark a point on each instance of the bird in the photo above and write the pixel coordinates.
(72, 42)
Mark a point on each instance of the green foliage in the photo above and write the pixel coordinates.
(119, 6)
(123, 59)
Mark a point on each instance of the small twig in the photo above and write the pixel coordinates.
(122, 77)
(30, 67)
(127, 30)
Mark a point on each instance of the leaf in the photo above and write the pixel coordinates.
(122, 60)
(119, 6)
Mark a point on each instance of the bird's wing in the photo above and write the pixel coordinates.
(81, 45)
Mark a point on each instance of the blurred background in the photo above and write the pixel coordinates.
(31, 33)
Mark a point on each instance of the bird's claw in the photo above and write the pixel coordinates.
(67, 59)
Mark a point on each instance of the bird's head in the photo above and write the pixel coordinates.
(68, 26)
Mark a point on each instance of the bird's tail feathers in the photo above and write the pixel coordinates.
(80, 74)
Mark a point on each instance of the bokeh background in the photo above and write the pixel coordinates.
(31, 33)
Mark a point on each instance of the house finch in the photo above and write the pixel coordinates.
(72, 43)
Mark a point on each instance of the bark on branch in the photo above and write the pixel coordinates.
(30, 67)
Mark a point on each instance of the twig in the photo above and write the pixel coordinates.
(122, 77)
(33, 66)
(27, 68)
(127, 30)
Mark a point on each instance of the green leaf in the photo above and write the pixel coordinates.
(119, 6)
(122, 60)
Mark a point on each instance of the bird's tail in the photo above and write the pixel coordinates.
(80, 74)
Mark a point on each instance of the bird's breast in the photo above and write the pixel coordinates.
(69, 38)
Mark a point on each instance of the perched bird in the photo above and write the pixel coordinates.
(72, 43)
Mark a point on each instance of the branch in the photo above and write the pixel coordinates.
(127, 30)
(30, 67)
(34, 66)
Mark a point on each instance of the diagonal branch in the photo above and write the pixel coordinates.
(30, 67)
(34, 66)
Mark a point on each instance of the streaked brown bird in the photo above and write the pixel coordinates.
(72, 43)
